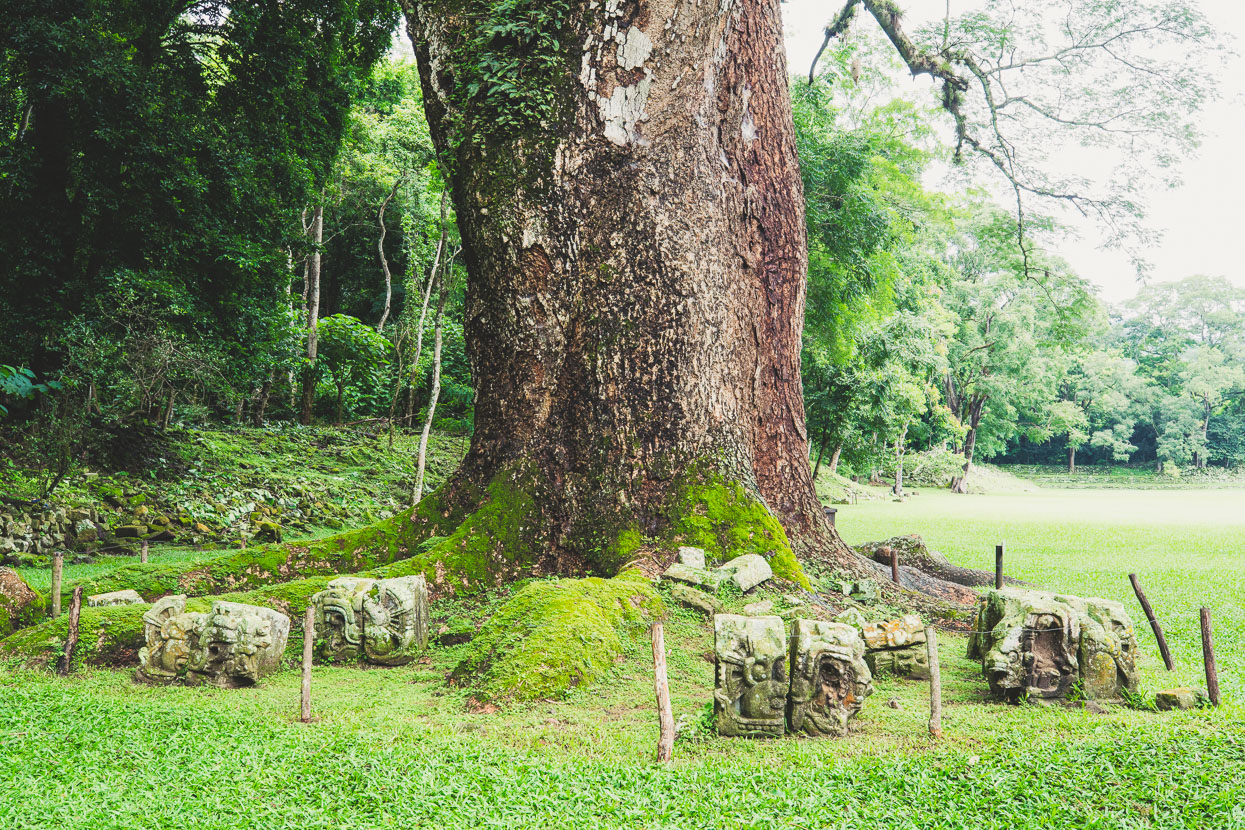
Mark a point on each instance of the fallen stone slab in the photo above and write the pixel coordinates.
(692, 557)
(1181, 697)
(759, 609)
(694, 598)
(126, 597)
(747, 571)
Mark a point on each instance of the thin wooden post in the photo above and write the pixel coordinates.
(935, 683)
(1208, 655)
(142, 553)
(58, 568)
(71, 641)
(309, 638)
(665, 744)
(998, 566)
(894, 557)
(1154, 623)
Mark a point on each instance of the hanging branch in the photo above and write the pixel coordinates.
(1142, 93)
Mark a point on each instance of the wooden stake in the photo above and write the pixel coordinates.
(58, 567)
(935, 683)
(1154, 624)
(1208, 655)
(71, 641)
(309, 639)
(998, 566)
(894, 565)
(142, 553)
(665, 744)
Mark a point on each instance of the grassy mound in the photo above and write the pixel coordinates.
(554, 636)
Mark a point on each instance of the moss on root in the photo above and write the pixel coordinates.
(553, 636)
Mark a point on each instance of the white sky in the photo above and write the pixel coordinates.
(1202, 221)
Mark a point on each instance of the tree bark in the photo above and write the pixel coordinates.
(380, 250)
(636, 259)
(312, 288)
(899, 449)
(1071, 460)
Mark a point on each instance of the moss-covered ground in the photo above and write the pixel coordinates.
(402, 748)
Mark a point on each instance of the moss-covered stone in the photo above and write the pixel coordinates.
(552, 636)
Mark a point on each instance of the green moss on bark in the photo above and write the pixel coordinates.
(555, 636)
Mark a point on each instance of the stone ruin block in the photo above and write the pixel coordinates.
(829, 677)
(897, 647)
(751, 667)
(744, 572)
(127, 597)
(382, 621)
(1037, 644)
(231, 646)
(692, 557)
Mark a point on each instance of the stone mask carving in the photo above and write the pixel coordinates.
(829, 677)
(1036, 644)
(237, 644)
(167, 629)
(232, 645)
(384, 621)
(751, 667)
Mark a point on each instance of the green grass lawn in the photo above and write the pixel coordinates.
(398, 748)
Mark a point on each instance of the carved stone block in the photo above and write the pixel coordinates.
(384, 621)
(127, 597)
(900, 633)
(232, 645)
(752, 683)
(911, 662)
(1036, 643)
(829, 677)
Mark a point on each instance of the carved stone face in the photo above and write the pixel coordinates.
(1028, 643)
(829, 678)
(167, 629)
(232, 645)
(236, 644)
(751, 692)
(395, 615)
(340, 618)
(384, 621)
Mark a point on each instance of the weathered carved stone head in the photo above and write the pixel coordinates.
(751, 666)
(829, 678)
(236, 645)
(384, 621)
(168, 630)
(339, 617)
(1035, 643)
(395, 623)
(1027, 642)
(232, 645)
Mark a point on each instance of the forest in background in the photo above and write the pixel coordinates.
(254, 227)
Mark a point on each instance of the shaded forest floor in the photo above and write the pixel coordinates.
(398, 747)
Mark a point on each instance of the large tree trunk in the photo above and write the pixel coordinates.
(312, 287)
(959, 484)
(1071, 460)
(636, 258)
(834, 458)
